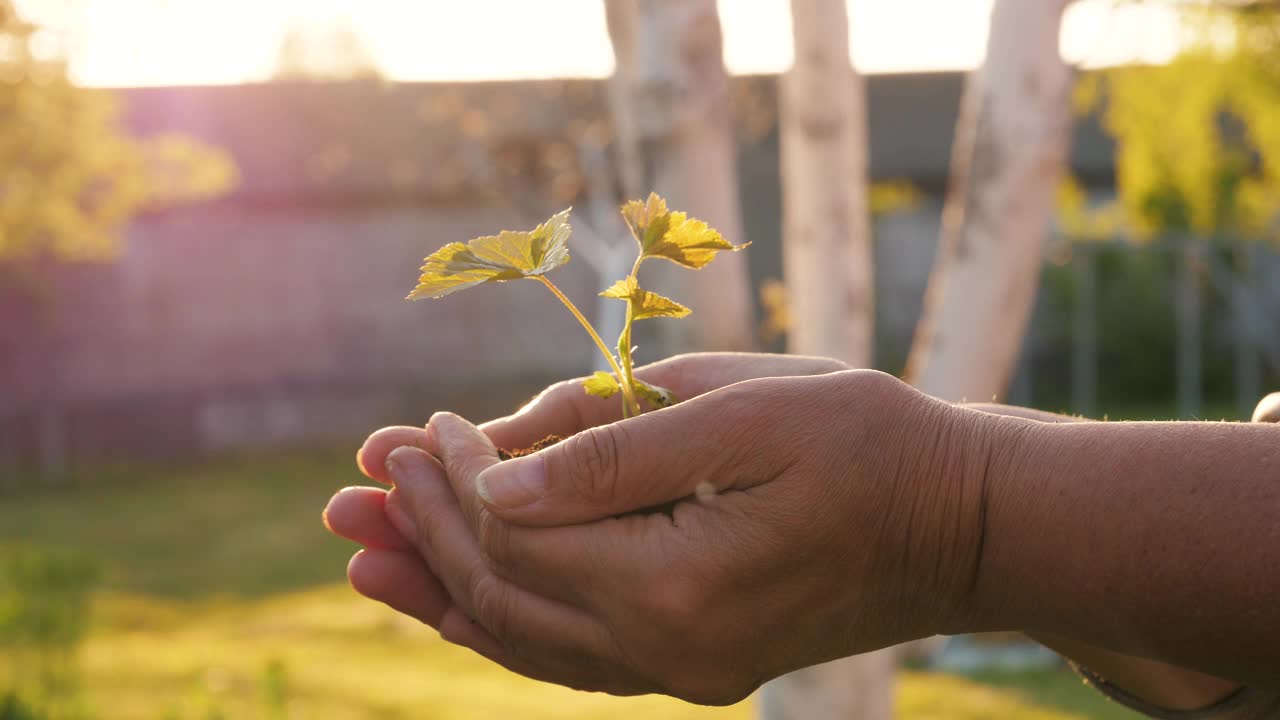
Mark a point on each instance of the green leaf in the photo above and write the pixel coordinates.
(690, 242)
(648, 220)
(602, 385)
(509, 255)
(644, 304)
(671, 235)
(660, 397)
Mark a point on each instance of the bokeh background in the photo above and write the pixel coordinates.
(211, 211)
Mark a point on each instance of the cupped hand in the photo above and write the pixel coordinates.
(810, 522)
(389, 569)
(565, 409)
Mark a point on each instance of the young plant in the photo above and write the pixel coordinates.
(510, 255)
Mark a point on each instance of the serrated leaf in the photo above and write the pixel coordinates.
(602, 385)
(659, 396)
(673, 236)
(689, 242)
(645, 304)
(648, 220)
(509, 255)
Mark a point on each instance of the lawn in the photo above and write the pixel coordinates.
(219, 586)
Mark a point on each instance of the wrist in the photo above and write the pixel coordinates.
(992, 459)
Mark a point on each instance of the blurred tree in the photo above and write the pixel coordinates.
(671, 107)
(1009, 154)
(330, 50)
(69, 182)
(828, 264)
(1198, 157)
(826, 220)
(69, 179)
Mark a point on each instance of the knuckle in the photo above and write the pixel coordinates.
(494, 537)
(491, 602)
(593, 463)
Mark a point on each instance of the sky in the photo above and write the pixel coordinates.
(179, 42)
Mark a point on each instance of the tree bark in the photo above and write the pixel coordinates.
(827, 254)
(1010, 150)
(827, 261)
(678, 90)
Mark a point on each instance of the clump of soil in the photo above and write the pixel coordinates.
(542, 444)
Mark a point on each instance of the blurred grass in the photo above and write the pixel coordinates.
(216, 570)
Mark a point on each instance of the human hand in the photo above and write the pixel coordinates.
(1268, 409)
(388, 568)
(821, 528)
(564, 409)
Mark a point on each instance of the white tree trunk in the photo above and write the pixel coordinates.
(1010, 150)
(855, 688)
(828, 264)
(681, 102)
(827, 255)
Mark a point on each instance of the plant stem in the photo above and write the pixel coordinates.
(624, 342)
(631, 405)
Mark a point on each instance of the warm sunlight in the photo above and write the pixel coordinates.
(178, 42)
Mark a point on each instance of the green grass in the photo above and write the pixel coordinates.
(214, 570)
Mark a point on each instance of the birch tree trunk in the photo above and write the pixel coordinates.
(827, 257)
(1010, 150)
(679, 93)
(827, 260)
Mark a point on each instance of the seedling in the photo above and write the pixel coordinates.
(511, 255)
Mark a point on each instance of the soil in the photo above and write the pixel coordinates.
(542, 444)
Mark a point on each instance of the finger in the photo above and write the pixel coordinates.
(538, 560)
(586, 565)
(1269, 409)
(358, 514)
(465, 453)
(461, 630)
(566, 409)
(701, 447)
(400, 581)
(554, 636)
(371, 458)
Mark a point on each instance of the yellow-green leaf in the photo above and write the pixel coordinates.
(644, 304)
(601, 384)
(648, 220)
(509, 255)
(689, 242)
(659, 396)
(672, 235)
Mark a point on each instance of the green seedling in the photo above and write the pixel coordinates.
(511, 255)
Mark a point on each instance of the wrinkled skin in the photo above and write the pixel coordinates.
(829, 514)
(774, 503)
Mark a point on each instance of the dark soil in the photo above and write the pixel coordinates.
(542, 444)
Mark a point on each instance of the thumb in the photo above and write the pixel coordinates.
(635, 464)
(1269, 409)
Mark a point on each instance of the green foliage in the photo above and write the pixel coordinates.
(213, 570)
(602, 385)
(673, 236)
(510, 255)
(644, 304)
(44, 618)
(69, 179)
(1199, 138)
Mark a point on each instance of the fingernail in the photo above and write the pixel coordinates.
(403, 469)
(514, 483)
